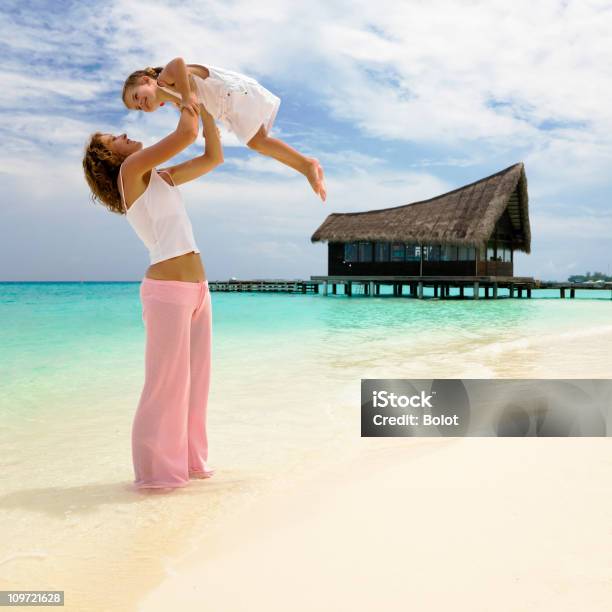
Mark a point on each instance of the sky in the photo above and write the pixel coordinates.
(399, 100)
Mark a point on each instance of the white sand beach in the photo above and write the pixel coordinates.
(423, 524)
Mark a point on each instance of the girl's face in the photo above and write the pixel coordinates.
(143, 96)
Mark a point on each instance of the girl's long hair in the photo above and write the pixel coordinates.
(101, 167)
(135, 77)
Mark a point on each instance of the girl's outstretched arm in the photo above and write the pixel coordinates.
(176, 76)
(212, 157)
(186, 132)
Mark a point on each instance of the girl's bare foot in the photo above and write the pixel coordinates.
(322, 190)
(312, 174)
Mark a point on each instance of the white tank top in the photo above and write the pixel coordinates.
(160, 220)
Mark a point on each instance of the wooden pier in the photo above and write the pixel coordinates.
(271, 285)
(468, 287)
(569, 289)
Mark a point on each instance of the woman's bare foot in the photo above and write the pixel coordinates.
(200, 475)
(157, 490)
(312, 174)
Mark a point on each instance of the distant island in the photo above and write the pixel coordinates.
(588, 277)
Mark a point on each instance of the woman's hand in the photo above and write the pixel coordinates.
(188, 122)
(207, 119)
(191, 101)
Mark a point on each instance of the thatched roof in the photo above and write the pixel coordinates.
(465, 216)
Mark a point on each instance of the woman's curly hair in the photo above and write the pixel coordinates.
(101, 167)
(135, 77)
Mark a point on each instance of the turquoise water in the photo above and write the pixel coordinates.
(63, 342)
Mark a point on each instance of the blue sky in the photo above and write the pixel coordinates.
(400, 101)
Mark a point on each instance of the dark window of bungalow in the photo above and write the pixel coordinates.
(413, 252)
(381, 252)
(466, 253)
(351, 251)
(448, 253)
(365, 251)
(398, 251)
(432, 252)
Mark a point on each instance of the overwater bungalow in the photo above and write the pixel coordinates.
(472, 231)
(458, 244)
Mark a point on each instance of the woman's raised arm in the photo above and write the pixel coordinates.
(212, 157)
(186, 133)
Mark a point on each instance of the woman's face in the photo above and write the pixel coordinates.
(121, 145)
(143, 96)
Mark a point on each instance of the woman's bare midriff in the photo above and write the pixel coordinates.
(187, 268)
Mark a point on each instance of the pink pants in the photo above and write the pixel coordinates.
(169, 441)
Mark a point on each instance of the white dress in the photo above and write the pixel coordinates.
(238, 101)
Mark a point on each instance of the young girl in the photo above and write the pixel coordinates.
(238, 101)
(169, 440)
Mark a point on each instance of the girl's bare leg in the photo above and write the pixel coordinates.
(308, 166)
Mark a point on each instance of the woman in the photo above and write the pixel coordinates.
(169, 440)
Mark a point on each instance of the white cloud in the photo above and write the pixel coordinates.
(257, 163)
(571, 229)
(462, 74)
